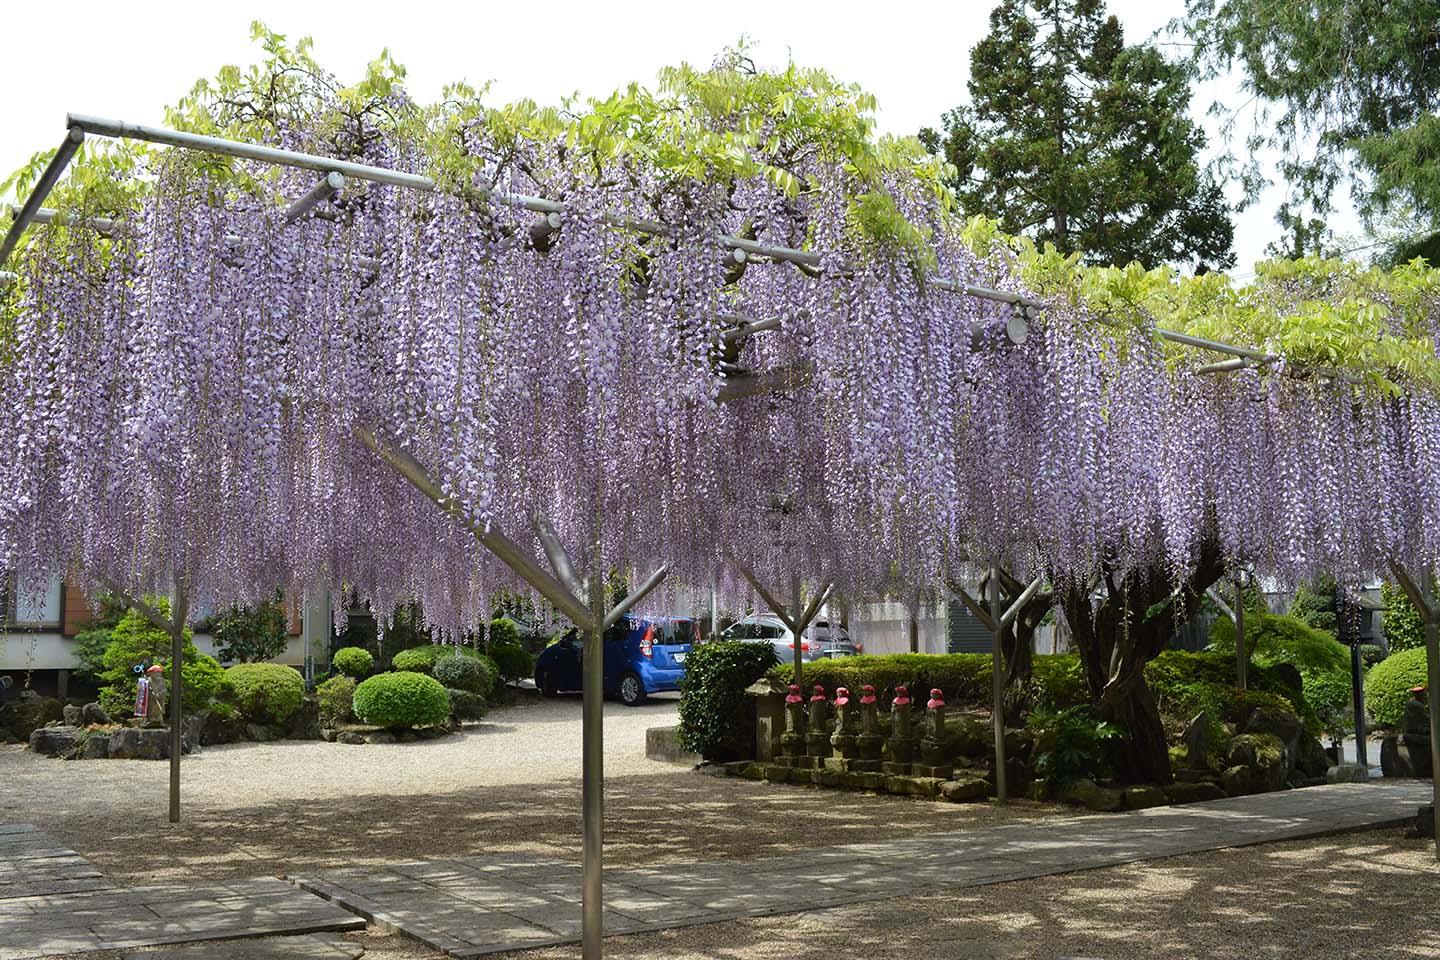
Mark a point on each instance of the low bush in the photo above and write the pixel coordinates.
(1404, 630)
(1323, 662)
(712, 695)
(1070, 744)
(465, 705)
(463, 673)
(335, 697)
(423, 659)
(1387, 685)
(514, 661)
(266, 692)
(1186, 683)
(353, 662)
(403, 699)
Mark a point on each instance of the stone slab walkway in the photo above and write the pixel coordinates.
(116, 919)
(478, 905)
(33, 863)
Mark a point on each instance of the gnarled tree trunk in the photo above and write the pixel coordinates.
(1117, 635)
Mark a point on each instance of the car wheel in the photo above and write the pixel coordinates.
(632, 690)
(546, 685)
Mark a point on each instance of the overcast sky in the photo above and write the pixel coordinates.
(127, 61)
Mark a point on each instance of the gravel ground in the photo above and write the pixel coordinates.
(1367, 896)
(510, 784)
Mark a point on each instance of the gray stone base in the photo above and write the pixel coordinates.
(663, 744)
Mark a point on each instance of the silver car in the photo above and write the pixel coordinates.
(821, 640)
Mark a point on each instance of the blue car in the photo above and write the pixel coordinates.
(643, 655)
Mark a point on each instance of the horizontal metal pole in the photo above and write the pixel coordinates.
(42, 188)
(329, 185)
(360, 171)
(1215, 345)
(1234, 363)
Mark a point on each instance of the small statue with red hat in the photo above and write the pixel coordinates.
(793, 740)
(817, 736)
(932, 745)
(847, 726)
(869, 743)
(156, 692)
(902, 739)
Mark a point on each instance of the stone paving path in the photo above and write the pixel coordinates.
(478, 905)
(114, 919)
(33, 863)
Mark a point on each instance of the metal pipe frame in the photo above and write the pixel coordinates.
(99, 126)
(1423, 597)
(80, 125)
(996, 619)
(51, 175)
(179, 613)
(587, 613)
(329, 185)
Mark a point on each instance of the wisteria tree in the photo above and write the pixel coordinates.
(535, 335)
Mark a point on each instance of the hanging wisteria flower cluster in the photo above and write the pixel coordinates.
(186, 394)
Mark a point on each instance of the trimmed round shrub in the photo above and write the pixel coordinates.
(463, 673)
(1387, 685)
(404, 699)
(423, 659)
(353, 661)
(465, 705)
(335, 697)
(514, 662)
(266, 692)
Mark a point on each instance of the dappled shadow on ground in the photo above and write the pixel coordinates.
(1359, 896)
(649, 820)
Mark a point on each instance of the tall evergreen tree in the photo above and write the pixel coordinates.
(1349, 92)
(1075, 138)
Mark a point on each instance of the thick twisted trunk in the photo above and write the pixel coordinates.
(1117, 635)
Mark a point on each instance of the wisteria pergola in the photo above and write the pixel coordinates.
(299, 369)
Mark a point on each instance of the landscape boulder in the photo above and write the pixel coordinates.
(142, 743)
(1347, 773)
(71, 715)
(304, 723)
(22, 715)
(1265, 755)
(1311, 759)
(92, 714)
(54, 741)
(1092, 796)
(961, 791)
(97, 747)
(1237, 781)
(1284, 727)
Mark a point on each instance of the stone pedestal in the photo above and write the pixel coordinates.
(1408, 754)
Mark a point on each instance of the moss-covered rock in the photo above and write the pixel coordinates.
(1144, 797)
(23, 715)
(1092, 796)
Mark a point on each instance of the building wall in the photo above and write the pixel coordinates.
(885, 627)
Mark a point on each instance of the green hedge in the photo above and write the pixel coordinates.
(712, 695)
(965, 677)
(353, 661)
(1387, 685)
(405, 699)
(266, 692)
(465, 705)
